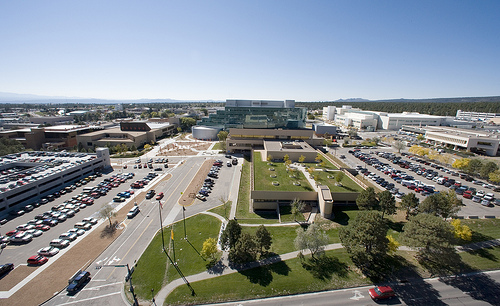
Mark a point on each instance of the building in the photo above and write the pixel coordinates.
(322, 129)
(258, 114)
(394, 121)
(357, 119)
(131, 133)
(475, 116)
(470, 140)
(52, 120)
(44, 173)
(59, 136)
(329, 113)
(294, 149)
(244, 140)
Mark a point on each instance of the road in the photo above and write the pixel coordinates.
(474, 289)
(106, 285)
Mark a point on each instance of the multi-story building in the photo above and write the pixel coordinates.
(258, 114)
(475, 116)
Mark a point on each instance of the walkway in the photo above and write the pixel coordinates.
(223, 269)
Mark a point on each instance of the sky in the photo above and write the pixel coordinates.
(280, 49)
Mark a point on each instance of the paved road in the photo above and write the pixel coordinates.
(107, 282)
(474, 289)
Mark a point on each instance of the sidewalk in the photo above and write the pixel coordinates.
(224, 269)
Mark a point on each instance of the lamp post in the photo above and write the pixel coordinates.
(161, 225)
(127, 278)
(153, 296)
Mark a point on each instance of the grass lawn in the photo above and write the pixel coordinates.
(286, 214)
(223, 211)
(154, 269)
(264, 181)
(283, 278)
(482, 229)
(483, 259)
(283, 237)
(348, 185)
(218, 146)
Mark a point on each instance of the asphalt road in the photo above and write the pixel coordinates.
(475, 289)
(106, 285)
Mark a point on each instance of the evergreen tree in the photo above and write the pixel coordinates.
(263, 239)
(230, 235)
(387, 203)
(367, 199)
(410, 203)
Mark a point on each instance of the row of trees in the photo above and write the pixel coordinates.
(478, 167)
(10, 146)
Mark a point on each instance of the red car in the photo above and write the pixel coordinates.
(11, 233)
(37, 260)
(159, 196)
(467, 194)
(42, 227)
(381, 293)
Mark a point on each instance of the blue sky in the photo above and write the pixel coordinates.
(301, 50)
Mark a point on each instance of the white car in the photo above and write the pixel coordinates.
(59, 243)
(489, 196)
(48, 251)
(35, 232)
(77, 231)
(68, 236)
(480, 193)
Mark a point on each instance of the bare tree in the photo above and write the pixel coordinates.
(107, 212)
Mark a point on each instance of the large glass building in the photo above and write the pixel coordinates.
(258, 114)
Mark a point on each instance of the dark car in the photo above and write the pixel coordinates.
(150, 194)
(6, 268)
(381, 293)
(77, 281)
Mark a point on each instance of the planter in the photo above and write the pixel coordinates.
(271, 169)
(273, 175)
(296, 183)
(275, 183)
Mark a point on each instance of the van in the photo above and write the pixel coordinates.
(87, 190)
(77, 281)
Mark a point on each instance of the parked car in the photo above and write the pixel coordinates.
(59, 243)
(37, 260)
(48, 251)
(381, 293)
(6, 268)
(92, 221)
(77, 231)
(68, 236)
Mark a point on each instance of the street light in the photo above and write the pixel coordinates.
(153, 296)
(129, 278)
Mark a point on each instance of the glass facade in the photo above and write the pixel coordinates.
(258, 118)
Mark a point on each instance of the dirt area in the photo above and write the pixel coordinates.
(189, 194)
(183, 148)
(85, 251)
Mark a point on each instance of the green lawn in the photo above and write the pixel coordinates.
(348, 185)
(222, 210)
(286, 214)
(218, 146)
(243, 213)
(151, 270)
(264, 181)
(283, 278)
(482, 230)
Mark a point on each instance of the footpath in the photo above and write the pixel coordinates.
(223, 267)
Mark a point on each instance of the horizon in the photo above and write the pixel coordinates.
(193, 50)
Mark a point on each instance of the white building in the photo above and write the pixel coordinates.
(394, 121)
(357, 119)
(470, 140)
(475, 116)
(329, 113)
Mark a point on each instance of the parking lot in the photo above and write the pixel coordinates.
(405, 173)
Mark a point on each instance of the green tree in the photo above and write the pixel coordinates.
(222, 135)
(420, 137)
(286, 157)
(474, 166)
(462, 163)
(187, 123)
(314, 239)
(263, 239)
(297, 208)
(487, 168)
(367, 199)
(444, 204)
(365, 238)
(244, 250)
(302, 158)
(410, 203)
(230, 235)
(387, 203)
(434, 238)
(269, 157)
(339, 177)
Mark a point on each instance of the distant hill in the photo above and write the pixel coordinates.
(445, 100)
(7, 97)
